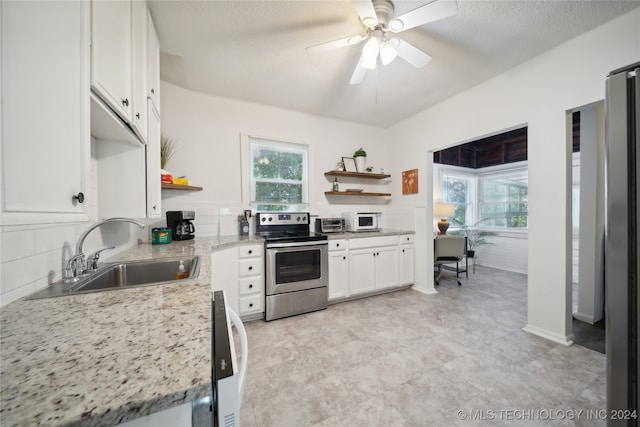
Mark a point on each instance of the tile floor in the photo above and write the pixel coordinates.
(408, 359)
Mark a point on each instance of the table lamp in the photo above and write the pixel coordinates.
(443, 210)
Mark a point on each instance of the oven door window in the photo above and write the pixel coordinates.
(298, 266)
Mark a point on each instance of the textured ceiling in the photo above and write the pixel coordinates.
(255, 51)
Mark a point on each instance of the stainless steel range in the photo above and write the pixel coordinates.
(296, 264)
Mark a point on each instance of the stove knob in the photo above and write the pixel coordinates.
(298, 218)
(263, 219)
(270, 219)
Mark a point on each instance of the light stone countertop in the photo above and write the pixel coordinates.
(361, 234)
(103, 358)
(100, 359)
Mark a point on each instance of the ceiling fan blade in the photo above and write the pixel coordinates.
(358, 73)
(366, 12)
(410, 53)
(336, 44)
(433, 11)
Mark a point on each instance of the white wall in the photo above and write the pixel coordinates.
(207, 133)
(537, 93)
(592, 207)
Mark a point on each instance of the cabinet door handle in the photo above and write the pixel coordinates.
(250, 268)
(344, 257)
(125, 102)
(138, 116)
(250, 286)
(337, 245)
(153, 90)
(250, 251)
(79, 197)
(403, 251)
(250, 305)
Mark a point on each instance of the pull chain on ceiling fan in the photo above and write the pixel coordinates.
(376, 16)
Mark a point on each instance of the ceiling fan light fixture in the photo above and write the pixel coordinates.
(387, 53)
(370, 53)
(396, 25)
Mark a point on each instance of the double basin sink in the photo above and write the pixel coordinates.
(123, 275)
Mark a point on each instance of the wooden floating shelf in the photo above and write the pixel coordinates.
(355, 193)
(180, 187)
(358, 174)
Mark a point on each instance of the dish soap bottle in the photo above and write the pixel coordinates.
(336, 186)
(181, 274)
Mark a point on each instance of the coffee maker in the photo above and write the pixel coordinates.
(181, 226)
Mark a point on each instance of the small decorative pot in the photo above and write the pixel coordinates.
(360, 163)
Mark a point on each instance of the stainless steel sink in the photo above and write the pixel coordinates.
(122, 275)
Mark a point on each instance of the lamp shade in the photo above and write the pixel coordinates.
(444, 210)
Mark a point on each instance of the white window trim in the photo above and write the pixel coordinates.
(247, 174)
(475, 174)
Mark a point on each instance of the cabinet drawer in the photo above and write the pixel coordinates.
(250, 267)
(251, 304)
(406, 238)
(373, 242)
(250, 285)
(248, 251)
(337, 245)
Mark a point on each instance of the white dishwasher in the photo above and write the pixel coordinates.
(227, 379)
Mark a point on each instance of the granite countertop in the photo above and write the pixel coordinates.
(103, 358)
(360, 234)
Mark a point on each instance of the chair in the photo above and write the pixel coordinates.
(448, 250)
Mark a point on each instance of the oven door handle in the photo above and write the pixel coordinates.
(296, 244)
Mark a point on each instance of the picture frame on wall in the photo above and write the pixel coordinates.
(349, 164)
(410, 181)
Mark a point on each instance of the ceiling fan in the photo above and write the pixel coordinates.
(377, 18)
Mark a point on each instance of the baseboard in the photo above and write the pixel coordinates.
(431, 291)
(583, 318)
(499, 267)
(564, 340)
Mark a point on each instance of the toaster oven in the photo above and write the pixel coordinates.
(329, 225)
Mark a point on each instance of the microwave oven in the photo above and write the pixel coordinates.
(329, 225)
(361, 221)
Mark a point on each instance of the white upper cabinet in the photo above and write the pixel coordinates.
(154, 190)
(119, 69)
(45, 111)
(139, 70)
(111, 66)
(153, 65)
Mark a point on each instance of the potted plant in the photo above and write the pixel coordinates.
(475, 237)
(360, 157)
(167, 147)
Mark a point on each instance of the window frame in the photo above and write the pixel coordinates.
(249, 180)
(473, 212)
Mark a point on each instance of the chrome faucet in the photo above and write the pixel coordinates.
(76, 265)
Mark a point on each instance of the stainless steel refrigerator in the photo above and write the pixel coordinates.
(621, 245)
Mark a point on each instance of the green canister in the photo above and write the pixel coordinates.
(160, 236)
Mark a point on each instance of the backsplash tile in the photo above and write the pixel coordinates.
(17, 244)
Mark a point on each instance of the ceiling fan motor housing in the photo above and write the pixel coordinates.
(384, 12)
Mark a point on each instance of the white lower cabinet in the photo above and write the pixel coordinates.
(363, 265)
(406, 260)
(338, 269)
(239, 271)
